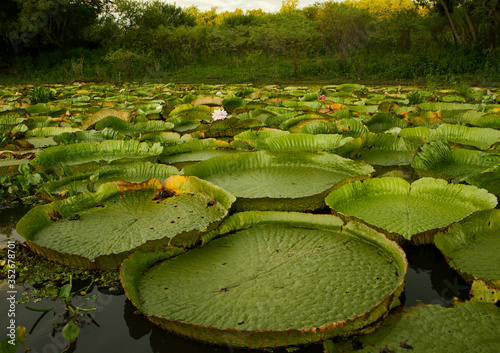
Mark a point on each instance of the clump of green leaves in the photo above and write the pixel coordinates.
(415, 97)
(4, 139)
(47, 276)
(40, 95)
(51, 279)
(19, 185)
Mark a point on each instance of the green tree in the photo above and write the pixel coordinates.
(59, 23)
(470, 21)
(151, 14)
(289, 5)
(9, 12)
(289, 35)
(342, 28)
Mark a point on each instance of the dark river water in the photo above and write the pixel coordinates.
(116, 327)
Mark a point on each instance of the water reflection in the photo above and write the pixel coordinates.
(138, 327)
(430, 280)
(8, 220)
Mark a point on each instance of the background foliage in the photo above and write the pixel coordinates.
(104, 40)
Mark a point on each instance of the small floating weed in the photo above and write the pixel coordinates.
(72, 315)
(14, 337)
(46, 277)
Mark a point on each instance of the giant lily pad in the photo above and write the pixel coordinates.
(332, 143)
(481, 138)
(279, 180)
(487, 179)
(98, 230)
(136, 172)
(471, 246)
(273, 279)
(383, 122)
(387, 149)
(49, 131)
(466, 327)
(58, 157)
(251, 137)
(397, 206)
(194, 151)
(94, 119)
(439, 160)
(126, 128)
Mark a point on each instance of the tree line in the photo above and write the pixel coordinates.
(125, 39)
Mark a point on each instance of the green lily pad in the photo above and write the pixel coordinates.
(447, 106)
(279, 180)
(483, 293)
(98, 116)
(466, 327)
(481, 138)
(194, 146)
(332, 143)
(471, 246)
(487, 179)
(58, 157)
(184, 159)
(396, 206)
(489, 121)
(186, 153)
(439, 160)
(99, 230)
(461, 116)
(251, 137)
(194, 111)
(136, 172)
(273, 279)
(383, 122)
(88, 136)
(350, 87)
(117, 124)
(387, 149)
(49, 131)
(298, 121)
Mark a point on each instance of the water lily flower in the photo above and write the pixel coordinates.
(219, 114)
(219, 93)
(322, 97)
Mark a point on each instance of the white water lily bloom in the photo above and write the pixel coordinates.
(219, 114)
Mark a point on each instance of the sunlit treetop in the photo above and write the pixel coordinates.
(289, 5)
(212, 17)
(381, 6)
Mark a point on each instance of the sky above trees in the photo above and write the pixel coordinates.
(224, 5)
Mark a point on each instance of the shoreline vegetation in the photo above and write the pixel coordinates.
(418, 43)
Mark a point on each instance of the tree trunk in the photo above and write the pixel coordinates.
(452, 24)
(493, 15)
(469, 22)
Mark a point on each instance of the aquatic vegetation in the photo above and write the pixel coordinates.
(397, 206)
(271, 279)
(100, 229)
(174, 171)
